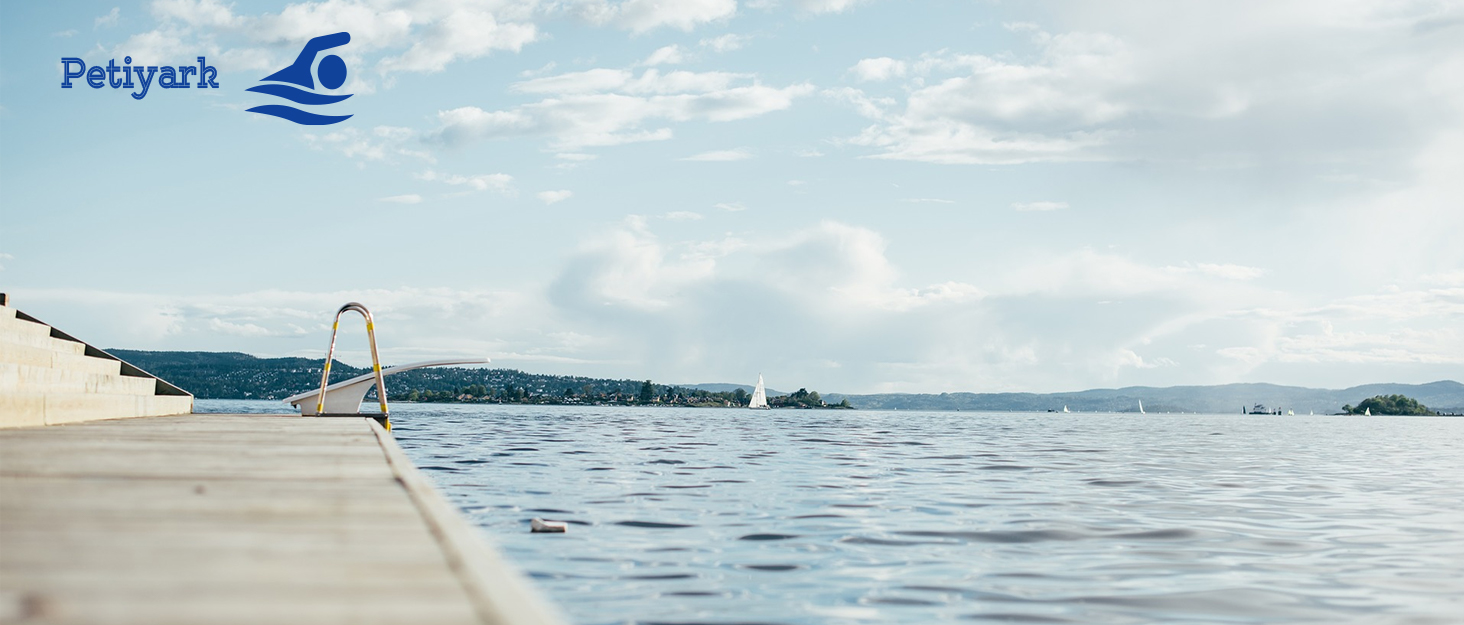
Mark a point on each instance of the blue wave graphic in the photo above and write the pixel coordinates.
(298, 116)
(332, 74)
(298, 96)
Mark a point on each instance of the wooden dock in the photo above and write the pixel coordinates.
(238, 519)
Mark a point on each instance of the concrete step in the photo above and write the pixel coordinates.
(21, 325)
(42, 357)
(19, 332)
(16, 378)
(33, 409)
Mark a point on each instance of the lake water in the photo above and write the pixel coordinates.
(736, 516)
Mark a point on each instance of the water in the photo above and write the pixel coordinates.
(735, 516)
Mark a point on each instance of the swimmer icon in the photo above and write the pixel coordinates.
(331, 71)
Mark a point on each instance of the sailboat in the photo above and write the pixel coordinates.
(1141, 407)
(759, 396)
(1064, 409)
(1367, 412)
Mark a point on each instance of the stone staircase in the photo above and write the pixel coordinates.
(47, 377)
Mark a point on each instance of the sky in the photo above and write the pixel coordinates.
(851, 196)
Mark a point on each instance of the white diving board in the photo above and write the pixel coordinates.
(345, 397)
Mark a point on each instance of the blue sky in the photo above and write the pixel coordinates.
(847, 195)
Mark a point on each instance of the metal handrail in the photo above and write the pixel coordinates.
(375, 360)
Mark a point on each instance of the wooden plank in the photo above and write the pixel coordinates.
(235, 519)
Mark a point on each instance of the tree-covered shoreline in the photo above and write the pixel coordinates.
(650, 394)
(1390, 405)
(232, 375)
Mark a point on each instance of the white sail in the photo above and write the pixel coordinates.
(759, 396)
(1064, 409)
(1367, 412)
(1141, 407)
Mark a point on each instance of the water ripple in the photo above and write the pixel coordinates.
(908, 518)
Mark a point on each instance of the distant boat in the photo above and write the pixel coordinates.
(759, 396)
(1064, 409)
(1290, 413)
(1141, 407)
(1367, 412)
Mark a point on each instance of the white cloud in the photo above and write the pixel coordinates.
(1039, 206)
(725, 43)
(1230, 271)
(1213, 89)
(668, 55)
(883, 68)
(682, 216)
(109, 20)
(650, 82)
(828, 267)
(502, 183)
(71, 32)
(551, 197)
(247, 330)
(463, 34)
(197, 13)
(372, 26)
(640, 16)
(996, 111)
(731, 207)
(736, 154)
(948, 141)
(162, 46)
(605, 107)
(1021, 27)
(1410, 327)
(825, 6)
(410, 198)
(1130, 358)
(546, 68)
(382, 143)
(1445, 278)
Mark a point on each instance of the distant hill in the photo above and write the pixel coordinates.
(1445, 396)
(232, 375)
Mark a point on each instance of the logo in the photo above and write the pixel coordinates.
(332, 73)
(120, 77)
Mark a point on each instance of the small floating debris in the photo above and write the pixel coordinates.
(540, 526)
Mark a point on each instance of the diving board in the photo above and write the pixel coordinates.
(345, 397)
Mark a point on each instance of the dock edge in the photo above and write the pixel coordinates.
(499, 593)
